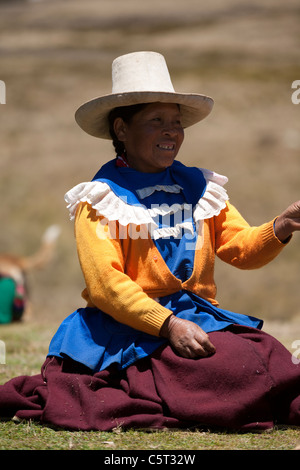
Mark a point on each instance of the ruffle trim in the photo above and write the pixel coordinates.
(146, 192)
(214, 198)
(108, 205)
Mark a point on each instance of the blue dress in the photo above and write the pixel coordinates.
(95, 339)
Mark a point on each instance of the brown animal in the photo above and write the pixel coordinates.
(14, 303)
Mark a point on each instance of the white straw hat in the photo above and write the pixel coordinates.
(140, 77)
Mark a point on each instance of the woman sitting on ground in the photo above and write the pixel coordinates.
(152, 348)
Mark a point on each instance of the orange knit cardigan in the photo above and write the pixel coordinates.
(125, 277)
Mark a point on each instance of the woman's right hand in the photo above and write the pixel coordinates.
(187, 338)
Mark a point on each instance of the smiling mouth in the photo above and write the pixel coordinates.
(166, 146)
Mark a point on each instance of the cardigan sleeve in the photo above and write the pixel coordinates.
(243, 246)
(108, 287)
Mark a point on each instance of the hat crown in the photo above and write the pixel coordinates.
(141, 71)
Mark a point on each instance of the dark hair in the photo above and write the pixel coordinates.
(126, 113)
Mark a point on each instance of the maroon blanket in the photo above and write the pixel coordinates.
(249, 383)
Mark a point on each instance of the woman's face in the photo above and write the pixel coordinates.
(152, 138)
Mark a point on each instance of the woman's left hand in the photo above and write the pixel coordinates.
(288, 222)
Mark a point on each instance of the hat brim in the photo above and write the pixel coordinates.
(92, 116)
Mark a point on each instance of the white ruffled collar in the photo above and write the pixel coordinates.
(108, 205)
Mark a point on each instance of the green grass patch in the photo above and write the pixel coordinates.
(26, 347)
(32, 436)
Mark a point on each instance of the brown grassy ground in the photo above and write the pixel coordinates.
(56, 54)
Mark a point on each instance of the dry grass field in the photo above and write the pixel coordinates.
(56, 54)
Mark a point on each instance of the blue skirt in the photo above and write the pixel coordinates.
(93, 338)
